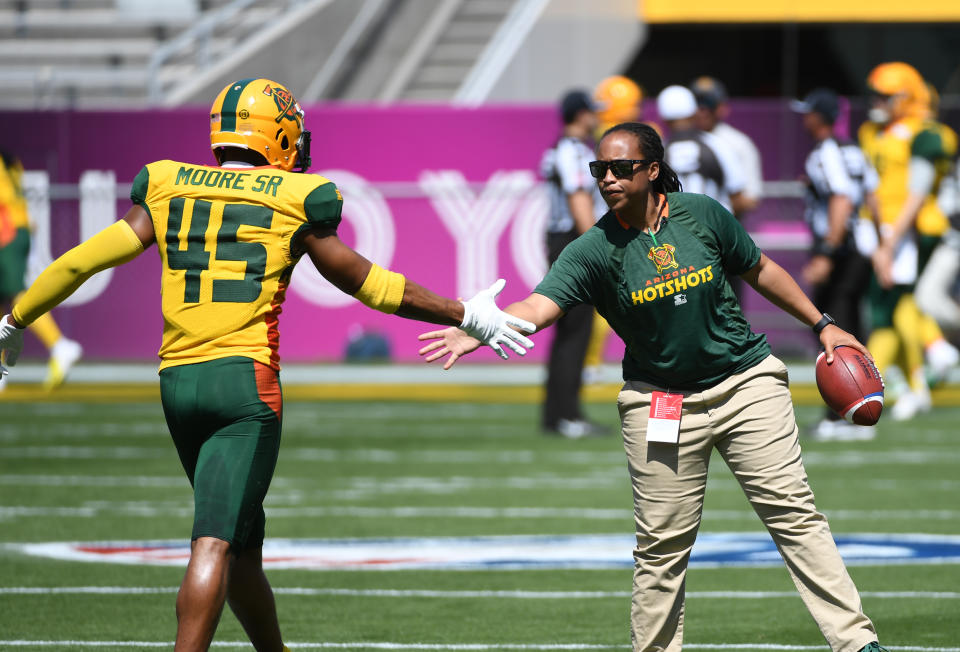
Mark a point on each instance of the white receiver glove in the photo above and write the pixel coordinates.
(483, 320)
(11, 341)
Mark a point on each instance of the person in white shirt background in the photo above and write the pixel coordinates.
(702, 162)
(712, 110)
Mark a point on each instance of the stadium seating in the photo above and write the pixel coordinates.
(111, 53)
(132, 53)
(449, 53)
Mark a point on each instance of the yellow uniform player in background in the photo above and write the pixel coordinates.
(229, 237)
(14, 252)
(911, 153)
(618, 99)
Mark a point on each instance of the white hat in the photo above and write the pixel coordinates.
(676, 103)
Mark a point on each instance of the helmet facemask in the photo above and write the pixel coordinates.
(303, 152)
(881, 108)
(898, 90)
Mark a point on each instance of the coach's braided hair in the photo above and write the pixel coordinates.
(651, 147)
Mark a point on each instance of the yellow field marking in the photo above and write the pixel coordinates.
(803, 394)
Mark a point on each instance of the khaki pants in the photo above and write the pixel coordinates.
(749, 419)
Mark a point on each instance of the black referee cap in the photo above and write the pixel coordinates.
(820, 100)
(573, 103)
(709, 91)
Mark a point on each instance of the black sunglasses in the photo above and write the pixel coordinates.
(621, 168)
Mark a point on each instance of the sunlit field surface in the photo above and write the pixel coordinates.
(84, 472)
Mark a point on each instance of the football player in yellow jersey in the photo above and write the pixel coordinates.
(228, 237)
(618, 99)
(911, 153)
(14, 252)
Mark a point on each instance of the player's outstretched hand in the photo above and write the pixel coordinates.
(452, 341)
(11, 341)
(833, 336)
(882, 260)
(483, 320)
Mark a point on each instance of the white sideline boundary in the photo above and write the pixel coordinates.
(419, 593)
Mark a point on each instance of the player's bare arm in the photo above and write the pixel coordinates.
(348, 271)
(921, 184)
(741, 203)
(581, 208)
(779, 288)
(536, 309)
(139, 220)
(820, 266)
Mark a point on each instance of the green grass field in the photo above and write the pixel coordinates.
(107, 471)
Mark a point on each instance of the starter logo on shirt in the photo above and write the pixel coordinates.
(663, 257)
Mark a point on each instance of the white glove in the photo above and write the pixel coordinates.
(484, 321)
(11, 341)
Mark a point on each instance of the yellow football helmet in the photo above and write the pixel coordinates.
(261, 115)
(618, 99)
(903, 86)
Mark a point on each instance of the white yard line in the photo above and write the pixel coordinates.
(150, 509)
(840, 458)
(360, 485)
(35, 480)
(430, 593)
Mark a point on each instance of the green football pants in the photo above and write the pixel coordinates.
(224, 416)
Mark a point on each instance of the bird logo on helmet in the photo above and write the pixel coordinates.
(900, 91)
(619, 100)
(261, 115)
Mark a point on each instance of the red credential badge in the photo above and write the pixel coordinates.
(663, 426)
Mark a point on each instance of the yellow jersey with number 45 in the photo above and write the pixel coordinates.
(224, 236)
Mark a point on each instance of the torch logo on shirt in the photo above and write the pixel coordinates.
(663, 257)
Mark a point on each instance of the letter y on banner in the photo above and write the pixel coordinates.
(476, 221)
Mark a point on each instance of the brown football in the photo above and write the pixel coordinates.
(851, 385)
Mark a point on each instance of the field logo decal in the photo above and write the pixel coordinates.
(508, 552)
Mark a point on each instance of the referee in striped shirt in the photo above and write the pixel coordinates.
(839, 180)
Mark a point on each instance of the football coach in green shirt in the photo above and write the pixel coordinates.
(656, 266)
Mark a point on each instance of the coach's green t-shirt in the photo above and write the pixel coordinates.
(666, 296)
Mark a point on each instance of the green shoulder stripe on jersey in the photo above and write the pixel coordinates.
(228, 112)
(928, 144)
(323, 205)
(138, 193)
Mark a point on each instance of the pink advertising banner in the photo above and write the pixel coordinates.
(449, 197)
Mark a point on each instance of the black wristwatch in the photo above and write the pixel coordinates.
(825, 321)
